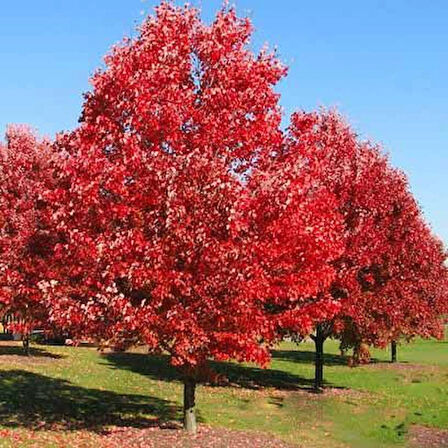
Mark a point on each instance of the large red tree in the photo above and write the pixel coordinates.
(152, 199)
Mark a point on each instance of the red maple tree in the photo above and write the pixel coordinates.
(297, 233)
(405, 293)
(26, 239)
(152, 198)
(385, 276)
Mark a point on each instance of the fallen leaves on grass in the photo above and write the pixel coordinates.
(424, 437)
(167, 437)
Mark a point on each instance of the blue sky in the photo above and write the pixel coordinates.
(384, 64)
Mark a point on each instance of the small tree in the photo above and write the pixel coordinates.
(409, 297)
(26, 239)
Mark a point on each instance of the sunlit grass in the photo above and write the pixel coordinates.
(71, 391)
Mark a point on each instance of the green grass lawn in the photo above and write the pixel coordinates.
(63, 392)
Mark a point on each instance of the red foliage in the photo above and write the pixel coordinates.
(180, 216)
(153, 204)
(390, 276)
(297, 234)
(26, 240)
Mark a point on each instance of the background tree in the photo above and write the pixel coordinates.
(410, 298)
(298, 229)
(26, 240)
(384, 238)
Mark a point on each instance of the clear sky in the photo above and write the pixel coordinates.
(383, 63)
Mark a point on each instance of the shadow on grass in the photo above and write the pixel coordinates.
(236, 375)
(307, 357)
(17, 350)
(38, 402)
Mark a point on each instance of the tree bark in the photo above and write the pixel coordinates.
(393, 347)
(26, 345)
(319, 339)
(189, 405)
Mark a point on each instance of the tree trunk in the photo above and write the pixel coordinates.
(393, 347)
(26, 344)
(319, 340)
(189, 405)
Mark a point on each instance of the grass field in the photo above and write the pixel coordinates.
(64, 396)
